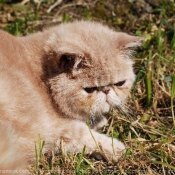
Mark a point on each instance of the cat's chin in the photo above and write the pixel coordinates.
(106, 108)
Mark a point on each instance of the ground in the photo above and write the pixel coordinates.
(148, 129)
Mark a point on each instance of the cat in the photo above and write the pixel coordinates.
(53, 82)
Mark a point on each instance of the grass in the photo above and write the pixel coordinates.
(172, 97)
(149, 131)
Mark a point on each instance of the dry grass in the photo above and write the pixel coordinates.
(148, 130)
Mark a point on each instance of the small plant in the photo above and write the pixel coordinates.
(39, 152)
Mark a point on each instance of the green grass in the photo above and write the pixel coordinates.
(149, 131)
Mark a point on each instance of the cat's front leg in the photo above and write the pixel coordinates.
(77, 135)
(98, 122)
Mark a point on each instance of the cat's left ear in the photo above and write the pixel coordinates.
(127, 41)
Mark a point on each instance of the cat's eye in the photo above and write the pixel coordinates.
(90, 89)
(120, 83)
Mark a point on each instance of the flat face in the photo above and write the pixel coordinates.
(90, 71)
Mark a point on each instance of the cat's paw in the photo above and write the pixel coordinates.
(113, 149)
(82, 136)
(119, 149)
(111, 153)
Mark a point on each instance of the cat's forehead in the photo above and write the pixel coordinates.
(103, 74)
(90, 38)
(85, 37)
(83, 34)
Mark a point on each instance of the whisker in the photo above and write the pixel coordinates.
(125, 110)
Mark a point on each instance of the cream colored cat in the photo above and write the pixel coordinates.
(53, 81)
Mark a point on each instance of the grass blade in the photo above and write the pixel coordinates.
(80, 159)
(36, 155)
(148, 81)
(172, 97)
(164, 164)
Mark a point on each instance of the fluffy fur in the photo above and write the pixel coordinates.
(53, 81)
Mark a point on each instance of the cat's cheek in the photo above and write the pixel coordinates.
(123, 93)
(113, 99)
(87, 102)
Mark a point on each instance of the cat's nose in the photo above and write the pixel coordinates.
(106, 90)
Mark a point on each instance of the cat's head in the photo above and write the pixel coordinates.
(88, 68)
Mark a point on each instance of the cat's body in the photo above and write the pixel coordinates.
(52, 82)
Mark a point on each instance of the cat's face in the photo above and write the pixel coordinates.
(88, 68)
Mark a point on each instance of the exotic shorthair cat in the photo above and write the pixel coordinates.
(52, 82)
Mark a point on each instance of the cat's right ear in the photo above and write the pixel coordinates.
(126, 41)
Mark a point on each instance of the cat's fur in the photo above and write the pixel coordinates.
(53, 81)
